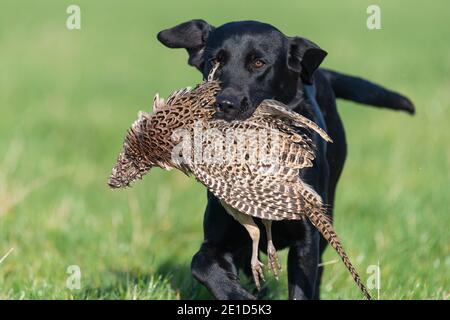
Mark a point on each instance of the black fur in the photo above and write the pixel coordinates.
(287, 64)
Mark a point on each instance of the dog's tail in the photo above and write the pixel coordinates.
(366, 92)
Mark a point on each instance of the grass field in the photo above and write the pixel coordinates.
(67, 97)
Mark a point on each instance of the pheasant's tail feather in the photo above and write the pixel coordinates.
(321, 221)
(278, 109)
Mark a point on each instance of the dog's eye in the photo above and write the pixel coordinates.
(258, 63)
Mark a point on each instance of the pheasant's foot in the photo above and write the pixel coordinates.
(274, 261)
(257, 270)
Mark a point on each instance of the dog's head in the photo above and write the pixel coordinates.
(257, 61)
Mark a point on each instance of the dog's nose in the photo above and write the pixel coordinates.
(226, 104)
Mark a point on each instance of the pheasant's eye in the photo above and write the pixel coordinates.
(258, 64)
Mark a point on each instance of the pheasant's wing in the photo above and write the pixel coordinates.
(263, 196)
(269, 190)
(278, 110)
(265, 143)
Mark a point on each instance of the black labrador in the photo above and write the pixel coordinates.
(259, 62)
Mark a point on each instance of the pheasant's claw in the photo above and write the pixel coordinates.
(257, 270)
(274, 261)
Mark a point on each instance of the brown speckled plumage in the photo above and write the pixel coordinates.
(242, 187)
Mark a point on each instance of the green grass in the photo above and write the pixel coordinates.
(67, 97)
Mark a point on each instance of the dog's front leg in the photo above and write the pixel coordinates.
(214, 265)
(303, 260)
(216, 270)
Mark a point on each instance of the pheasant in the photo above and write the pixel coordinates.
(249, 184)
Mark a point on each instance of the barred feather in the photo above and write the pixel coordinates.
(277, 109)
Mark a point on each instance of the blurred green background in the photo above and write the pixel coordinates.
(67, 97)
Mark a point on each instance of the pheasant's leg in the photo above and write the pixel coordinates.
(274, 262)
(253, 230)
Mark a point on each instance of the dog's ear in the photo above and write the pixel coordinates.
(190, 35)
(304, 57)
